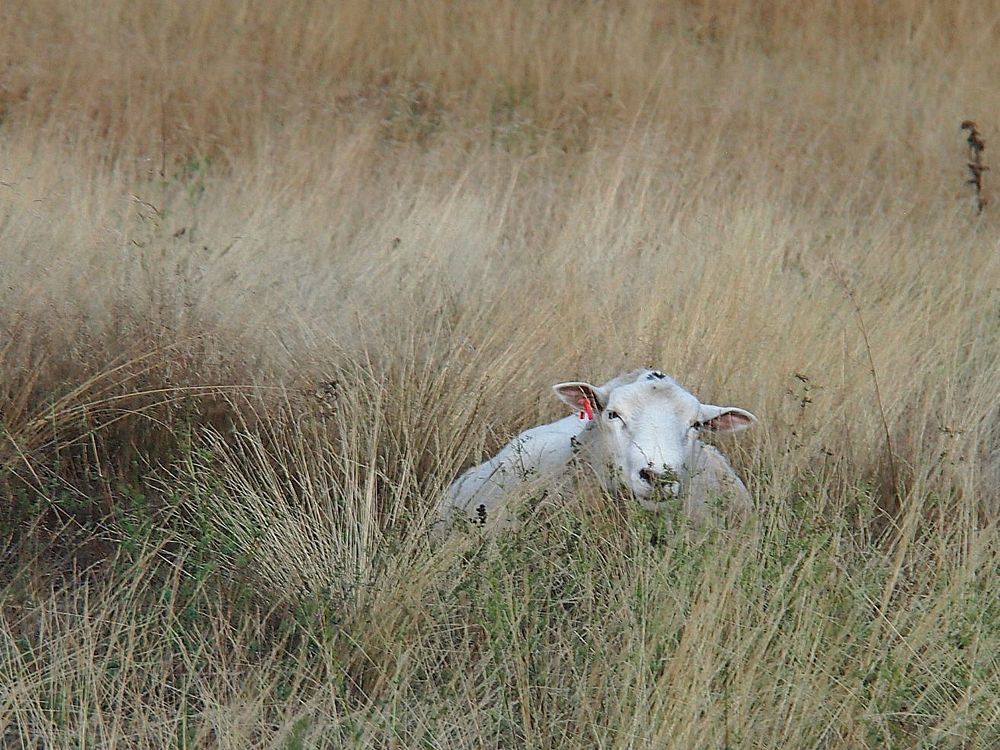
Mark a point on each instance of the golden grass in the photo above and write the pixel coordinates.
(273, 274)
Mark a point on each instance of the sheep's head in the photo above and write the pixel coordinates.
(645, 434)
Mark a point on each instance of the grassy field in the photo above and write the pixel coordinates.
(273, 274)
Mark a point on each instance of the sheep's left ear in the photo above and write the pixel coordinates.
(724, 419)
(573, 394)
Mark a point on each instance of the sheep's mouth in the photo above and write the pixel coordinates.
(663, 495)
(666, 486)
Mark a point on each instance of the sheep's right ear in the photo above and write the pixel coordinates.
(574, 395)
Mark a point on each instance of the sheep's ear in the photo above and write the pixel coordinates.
(574, 395)
(724, 419)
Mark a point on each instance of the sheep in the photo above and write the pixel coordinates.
(638, 432)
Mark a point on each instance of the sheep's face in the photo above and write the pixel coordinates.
(645, 434)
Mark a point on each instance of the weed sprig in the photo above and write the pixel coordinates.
(975, 164)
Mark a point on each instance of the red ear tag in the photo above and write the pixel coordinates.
(588, 412)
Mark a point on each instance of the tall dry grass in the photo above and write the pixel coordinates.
(274, 274)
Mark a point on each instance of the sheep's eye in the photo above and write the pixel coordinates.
(615, 415)
(696, 425)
